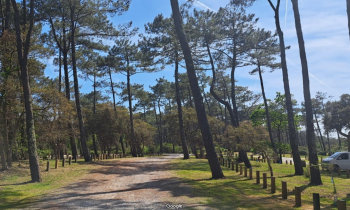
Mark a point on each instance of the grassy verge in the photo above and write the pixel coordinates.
(238, 192)
(16, 191)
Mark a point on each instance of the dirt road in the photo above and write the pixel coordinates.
(130, 183)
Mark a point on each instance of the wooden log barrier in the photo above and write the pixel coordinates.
(229, 163)
(233, 166)
(286, 162)
(250, 173)
(237, 167)
(240, 170)
(63, 162)
(297, 196)
(48, 166)
(284, 190)
(70, 160)
(316, 201)
(291, 162)
(273, 184)
(258, 177)
(245, 171)
(264, 180)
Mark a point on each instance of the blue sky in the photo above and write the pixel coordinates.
(326, 37)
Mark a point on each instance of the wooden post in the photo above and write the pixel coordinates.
(240, 170)
(297, 196)
(226, 161)
(347, 174)
(245, 171)
(316, 201)
(341, 204)
(284, 190)
(264, 180)
(286, 162)
(94, 157)
(76, 159)
(63, 161)
(321, 159)
(70, 160)
(48, 166)
(273, 184)
(236, 166)
(251, 156)
(233, 166)
(291, 162)
(339, 171)
(56, 164)
(229, 163)
(250, 173)
(223, 161)
(258, 177)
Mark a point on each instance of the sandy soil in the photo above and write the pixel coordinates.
(130, 183)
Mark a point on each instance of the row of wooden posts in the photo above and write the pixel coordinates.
(92, 158)
(341, 204)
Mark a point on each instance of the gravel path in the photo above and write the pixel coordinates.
(130, 183)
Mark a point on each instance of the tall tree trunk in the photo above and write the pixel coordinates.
(133, 140)
(314, 168)
(94, 112)
(2, 154)
(319, 132)
(179, 109)
(122, 143)
(198, 99)
(266, 110)
(23, 52)
(84, 147)
(339, 140)
(160, 130)
(348, 11)
(65, 50)
(298, 168)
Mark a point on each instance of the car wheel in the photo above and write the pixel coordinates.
(335, 168)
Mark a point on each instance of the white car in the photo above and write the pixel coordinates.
(337, 160)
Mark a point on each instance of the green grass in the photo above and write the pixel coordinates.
(16, 190)
(238, 192)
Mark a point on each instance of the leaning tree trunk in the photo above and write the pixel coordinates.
(198, 99)
(298, 168)
(84, 148)
(179, 109)
(22, 53)
(266, 110)
(314, 168)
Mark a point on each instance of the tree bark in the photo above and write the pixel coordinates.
(314, 168)
(76, 90)
(198, 99)
(179, 109)
(23, 52)
(133, 143)
(348, 11)
(266, 110)
(2, 154)
(298, 168)
(347, 137)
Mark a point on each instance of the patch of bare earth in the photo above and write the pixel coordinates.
(131, 183)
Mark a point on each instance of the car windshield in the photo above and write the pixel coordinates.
(335, 155)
